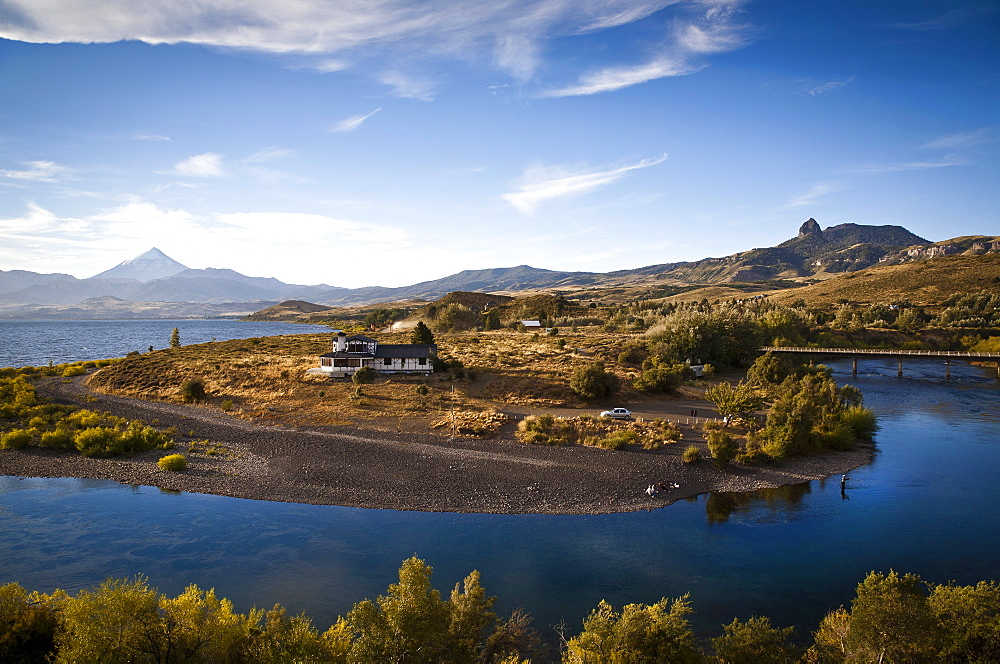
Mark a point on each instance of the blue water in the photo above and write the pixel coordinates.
(928, 504)
(36, 343)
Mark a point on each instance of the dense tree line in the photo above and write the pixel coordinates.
(892, 618)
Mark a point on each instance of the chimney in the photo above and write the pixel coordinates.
(340, 344)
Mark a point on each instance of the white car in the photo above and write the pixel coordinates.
(617, 413)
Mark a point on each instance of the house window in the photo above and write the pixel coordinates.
(326, 362)
(340, 362)
(387, 361)
(422, 361)
(354, 363)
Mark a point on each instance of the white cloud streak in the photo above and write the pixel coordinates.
(811, 196)
(37, 171)
(352, 123)
(682, 53)
(206, 165)
(511, 31)
(965, 139)
(540, 184)
(899, 167)
(829, 86)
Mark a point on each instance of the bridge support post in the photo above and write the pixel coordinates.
(899, 372)
(854, 366)
(947, 368)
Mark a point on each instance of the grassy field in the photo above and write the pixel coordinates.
(266, 378)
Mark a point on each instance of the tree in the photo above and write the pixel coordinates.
(970, 617)
(754, 641)
(413, 624)
(740, 401)
(722, 447)
(421, 334)
(657, 632)
(593, 381)
(175, 338)
(363, 375)
(27, 626)
(892, 621)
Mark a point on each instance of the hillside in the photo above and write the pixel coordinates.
(924, 283)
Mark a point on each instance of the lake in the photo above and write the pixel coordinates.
(928, 504)
(33, 342)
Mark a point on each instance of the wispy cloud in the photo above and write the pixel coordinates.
(206, 165)
(269, 154)
(811, 196)
(409, 87)
(37, 171)
(682, 53)
(540, 184)
(616, 78)
(898, 167)
(353, 122)
(512, 33)
(965, 139)
(139, 136)
(816, 89)
(952, 18)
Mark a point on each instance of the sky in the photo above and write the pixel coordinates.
(388, 142)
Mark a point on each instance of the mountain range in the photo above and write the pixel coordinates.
(155, 282)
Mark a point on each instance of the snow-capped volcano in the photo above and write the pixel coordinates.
(153, 264)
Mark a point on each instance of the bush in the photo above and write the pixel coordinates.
(722, 447)
(60, 439)
(193, 390)
(172, 462)
(618, 439)
(691, 455)
(363, 375)
(862, 422)
(422, 390)
(227, 405)
(15, 439)
(593, 382)
(74, 370)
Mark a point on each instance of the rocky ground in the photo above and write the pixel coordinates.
(346, 465)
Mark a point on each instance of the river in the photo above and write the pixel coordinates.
(928, 504)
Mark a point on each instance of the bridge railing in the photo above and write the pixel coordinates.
(880, 351)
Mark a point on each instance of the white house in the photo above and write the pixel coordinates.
(351, 353)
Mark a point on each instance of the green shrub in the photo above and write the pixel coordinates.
(691, 455)
(422, 390)
(193, 390)
(15, 439)
(862, 422)
(60, 439)
(363, 375)
(96, 441)
(227, 405)
(722, 447)
(593, 381)
(74, 370)
(172, 462)
(618, 439)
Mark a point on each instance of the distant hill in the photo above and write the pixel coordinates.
(924, 283)
(814, 253)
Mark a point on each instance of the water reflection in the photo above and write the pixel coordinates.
(720, 506)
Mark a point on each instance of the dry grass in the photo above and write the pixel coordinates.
(924, 283)
(265, 378)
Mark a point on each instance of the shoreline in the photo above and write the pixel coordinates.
(366, 468)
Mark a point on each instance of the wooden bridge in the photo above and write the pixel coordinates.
(855, 353)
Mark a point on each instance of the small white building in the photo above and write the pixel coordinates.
(351, 353)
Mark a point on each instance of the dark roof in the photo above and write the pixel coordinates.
(346, 354)
(405, 350)
(361, 337)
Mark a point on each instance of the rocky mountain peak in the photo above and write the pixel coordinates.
(147, 266)
(810, 227)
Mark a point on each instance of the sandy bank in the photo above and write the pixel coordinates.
(387, 470)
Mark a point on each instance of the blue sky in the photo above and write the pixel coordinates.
(387, 142)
